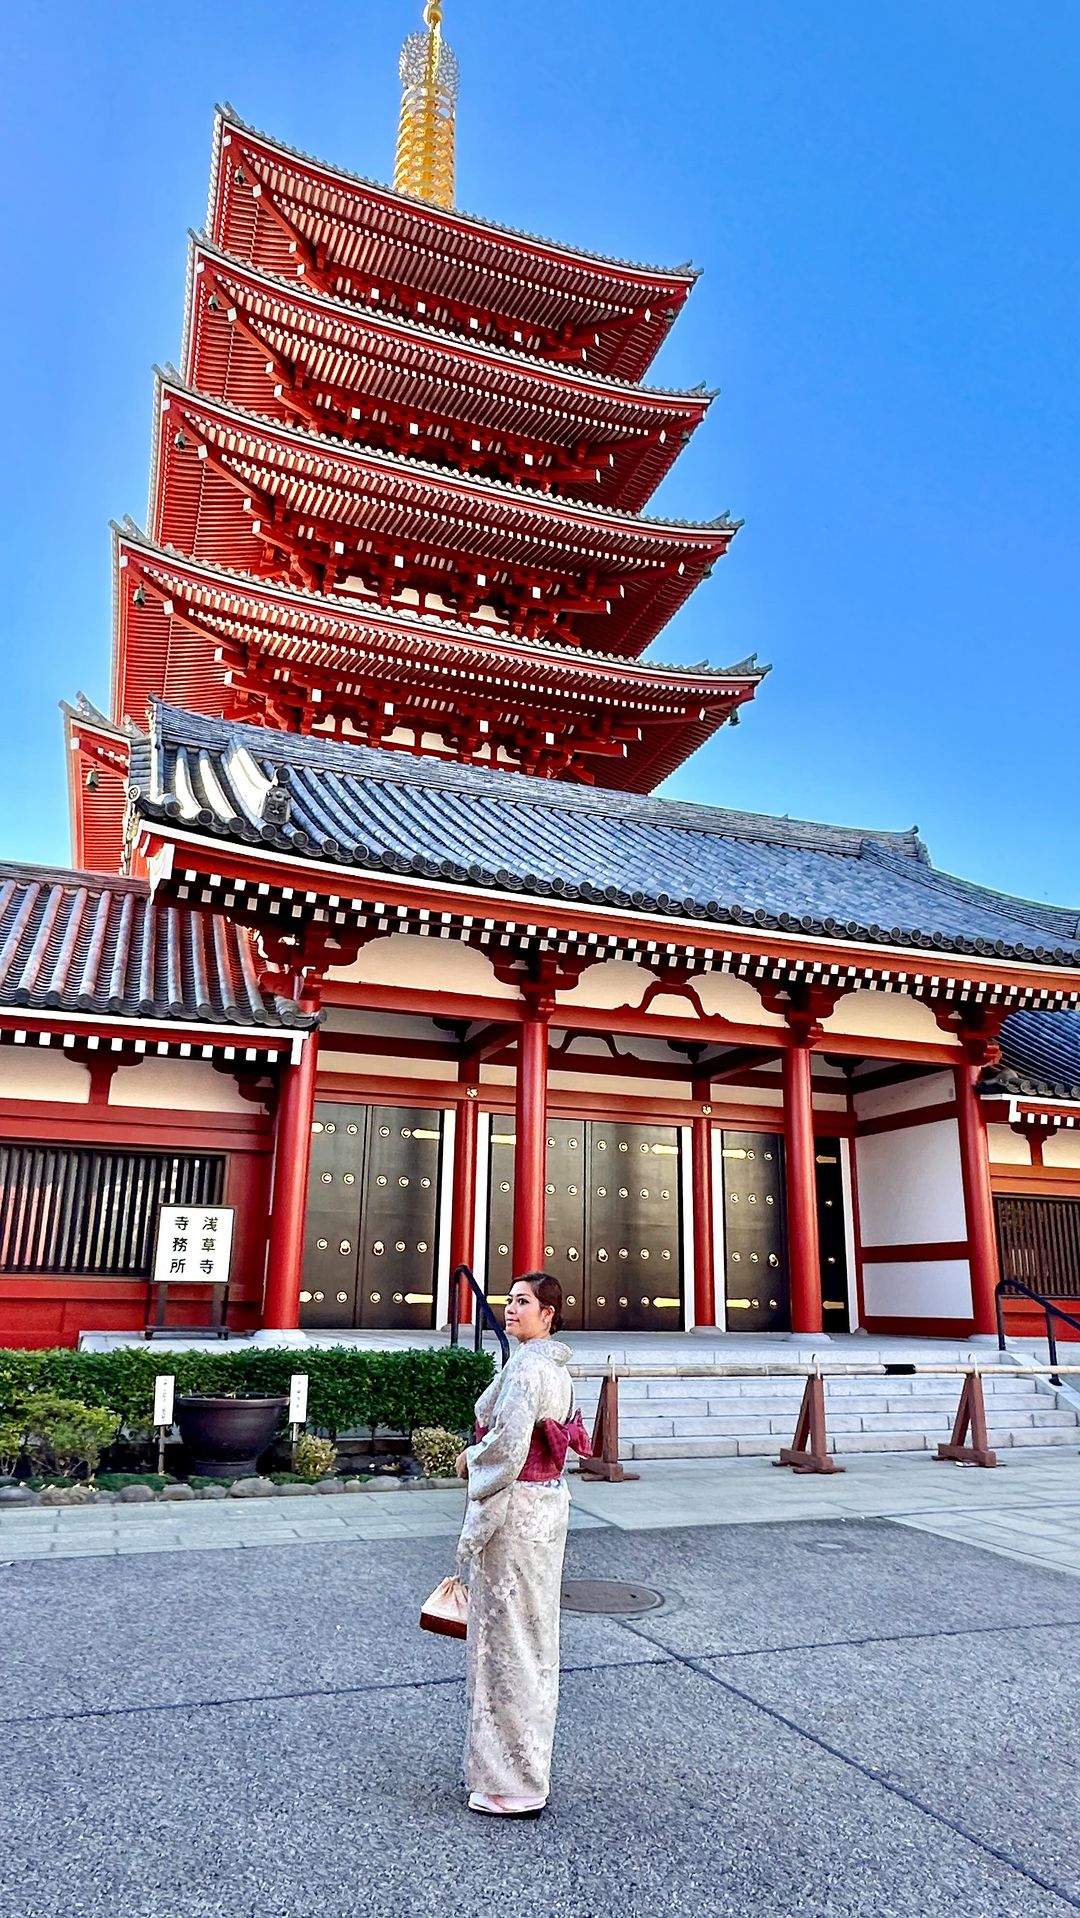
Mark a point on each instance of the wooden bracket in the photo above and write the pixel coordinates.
(808, 1451)
(970, 1417)
(604, 1462)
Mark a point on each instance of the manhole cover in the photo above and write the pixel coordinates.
(607, 1595)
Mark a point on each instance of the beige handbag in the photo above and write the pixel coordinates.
(447, 1610)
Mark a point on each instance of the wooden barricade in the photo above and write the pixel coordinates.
(809, 1450)
(604, 1462)
(970, 1417)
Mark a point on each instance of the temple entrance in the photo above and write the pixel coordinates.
(612, 1222)
(370, 1243)
(757, 1279)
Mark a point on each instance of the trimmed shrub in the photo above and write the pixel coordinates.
(11, 1446)
(437, 1450)
(64, 1436)
(315, 1457)
(349, 1390)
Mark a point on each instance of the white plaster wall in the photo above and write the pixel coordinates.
(910, 1185)
(624, 982)
(603, 1082)
(930, 1289)
(771, 1097)
(611, 982)
(886, 1015)
(726, 997)
(176, 1085)
(429, 965)
(380, 1066)
(1006, 1146)
(908, 1096)
(42, 1074)
(1064, 1150)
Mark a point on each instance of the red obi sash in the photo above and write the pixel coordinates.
(551, 1440)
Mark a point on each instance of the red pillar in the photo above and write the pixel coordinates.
(978, 1198)
(702, 1195)
(804, 1254)
(530, 1150)
(463, 1194)
(292, 1158)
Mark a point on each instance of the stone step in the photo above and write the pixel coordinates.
(762, 1446)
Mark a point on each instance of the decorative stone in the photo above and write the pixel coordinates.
(18, 1495)
(329, 1485)
(381, 1484)
(294, 1491)
(356, 1485)
(211, 1491)
(135, 1495)
(252, 1488)
(177, 1494)
(103, 1498)
(57, 1495)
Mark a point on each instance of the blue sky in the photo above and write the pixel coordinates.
(883, 200)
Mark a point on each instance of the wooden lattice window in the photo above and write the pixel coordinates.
(66, 1210)
(1039, 1241)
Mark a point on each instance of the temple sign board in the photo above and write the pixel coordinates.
(194, 1245)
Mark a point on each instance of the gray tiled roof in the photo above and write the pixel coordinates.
(385, 811)
(1040, 1055)
(86, 942)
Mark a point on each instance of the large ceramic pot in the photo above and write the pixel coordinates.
(225, 1438)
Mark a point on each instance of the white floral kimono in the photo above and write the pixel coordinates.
(512, 1543)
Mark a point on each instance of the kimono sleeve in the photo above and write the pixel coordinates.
(495, 1463)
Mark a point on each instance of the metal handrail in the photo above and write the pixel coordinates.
(483, 1316)
(1048, 1307)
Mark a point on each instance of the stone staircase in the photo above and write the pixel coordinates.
(676, 1418)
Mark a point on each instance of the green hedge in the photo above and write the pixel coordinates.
(349, 1390)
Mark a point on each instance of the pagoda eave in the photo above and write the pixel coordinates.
(295, 217)
(276, 350)
(262, 498)
(312, 662)
(97, 770)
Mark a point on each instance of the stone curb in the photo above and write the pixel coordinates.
(61, 1498)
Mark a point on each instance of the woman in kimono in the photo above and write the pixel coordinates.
(512, 1544)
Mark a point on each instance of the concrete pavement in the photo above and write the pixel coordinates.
(837, 1717)
(1028, 1509)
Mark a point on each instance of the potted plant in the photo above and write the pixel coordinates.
(226, 1434)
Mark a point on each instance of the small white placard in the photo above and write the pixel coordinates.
(164, 1387)
(298, 1388)
(194, 1244)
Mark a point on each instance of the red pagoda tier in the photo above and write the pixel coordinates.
(271, 500)
(296, 218)
(397, 495)
(302, 662)
(291, 355)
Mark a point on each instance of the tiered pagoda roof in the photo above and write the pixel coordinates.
(297, 218)
(302, 662)
(288, 354)
(268, 499)
(398, 490)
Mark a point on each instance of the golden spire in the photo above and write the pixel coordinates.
(424, 165)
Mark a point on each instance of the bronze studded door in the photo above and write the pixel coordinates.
(564, 1213)
(611, 1222)
(372, 1218)
(757, 1290)
(399, 1219)
(831, 1235)
(633, 1240)
(332, 1230)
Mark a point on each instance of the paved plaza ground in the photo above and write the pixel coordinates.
(860, 1698)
